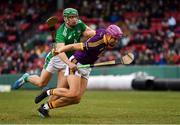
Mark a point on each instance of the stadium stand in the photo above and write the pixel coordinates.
(152, 29)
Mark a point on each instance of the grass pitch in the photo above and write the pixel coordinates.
(96, 107)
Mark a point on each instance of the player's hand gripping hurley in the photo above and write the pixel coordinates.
(125, 60)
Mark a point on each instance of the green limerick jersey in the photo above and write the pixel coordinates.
(70, 35)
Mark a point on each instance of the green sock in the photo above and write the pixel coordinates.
(26, 79)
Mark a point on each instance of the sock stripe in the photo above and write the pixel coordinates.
(51, 92)
(26, 79)
(50, 105)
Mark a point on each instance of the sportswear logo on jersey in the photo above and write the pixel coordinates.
(70, 37)
(79, 31)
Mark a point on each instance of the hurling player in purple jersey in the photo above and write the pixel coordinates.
(86, 53)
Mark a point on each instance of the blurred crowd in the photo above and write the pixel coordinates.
(151, 29)
(21, 48)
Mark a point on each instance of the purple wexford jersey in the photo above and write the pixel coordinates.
(92, 48)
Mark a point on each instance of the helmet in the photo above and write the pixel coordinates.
(70, 12)
(114, 31)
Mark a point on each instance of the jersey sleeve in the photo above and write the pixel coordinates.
(59, 36)
(95, 41)
(82, 25)
(90, 44)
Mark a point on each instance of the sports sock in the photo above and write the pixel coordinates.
(26, 79)
(46, 106)
(50, 92)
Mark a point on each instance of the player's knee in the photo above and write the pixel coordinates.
(74, 95)
(77, 100)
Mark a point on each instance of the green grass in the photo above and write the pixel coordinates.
(96, 107)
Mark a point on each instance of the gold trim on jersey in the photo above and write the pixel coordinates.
(94, 44)
(82, 48)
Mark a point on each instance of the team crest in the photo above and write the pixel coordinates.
(79, 31)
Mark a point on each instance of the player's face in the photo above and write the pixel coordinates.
(112, 42)
(71, 20)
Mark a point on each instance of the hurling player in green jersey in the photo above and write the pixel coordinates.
(69, 32)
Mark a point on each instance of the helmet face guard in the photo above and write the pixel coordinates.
(114, 31)
(70, 12)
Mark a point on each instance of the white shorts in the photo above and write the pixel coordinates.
(54, 64)
(83, 72)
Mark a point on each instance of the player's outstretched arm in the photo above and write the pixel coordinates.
(70, 47)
